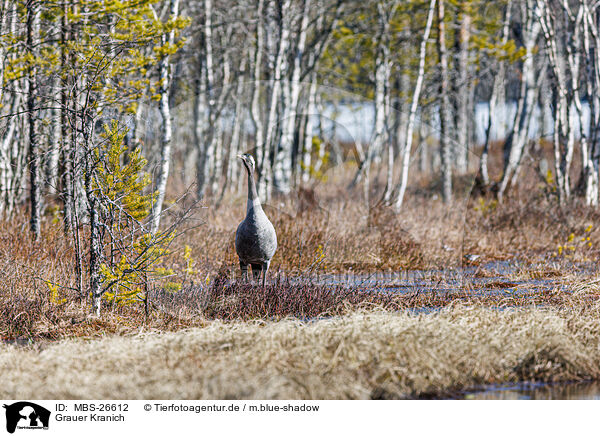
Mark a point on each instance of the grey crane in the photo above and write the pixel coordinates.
(255, 238)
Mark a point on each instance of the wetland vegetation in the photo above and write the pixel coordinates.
(430, 169)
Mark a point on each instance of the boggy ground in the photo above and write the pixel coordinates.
(298, 339)
(364, 354)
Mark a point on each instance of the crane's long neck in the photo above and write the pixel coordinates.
(253, 200)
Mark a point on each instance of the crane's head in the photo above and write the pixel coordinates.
(248, 161)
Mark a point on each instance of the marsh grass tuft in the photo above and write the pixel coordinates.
(283, 299)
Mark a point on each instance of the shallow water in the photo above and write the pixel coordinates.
(496, 277)
(536, 391)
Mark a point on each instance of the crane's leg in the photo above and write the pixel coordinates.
(244, 268)
(265, 268)
(256, 269)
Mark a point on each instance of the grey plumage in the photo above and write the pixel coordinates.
(255, 238)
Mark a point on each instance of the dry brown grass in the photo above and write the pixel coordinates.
(220, 340)
(40, 319)
(341, 237)
(329, 220)
(322, 229)
(380, 240)
(374, 354)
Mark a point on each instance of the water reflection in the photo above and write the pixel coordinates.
(538, 391)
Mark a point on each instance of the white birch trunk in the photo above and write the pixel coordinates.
(53, 145)
(424, 162)
(496, 98)
(237, 131)
(164, 70)
(563, 135)
(462, 146)
(401, 187)
(580, 38)
(204, 105)
(283, 159)
(308, 130)
(591, 50)
(35, 197)
(445, 117)
(8, 193)
(320, 158)
(283, 34)
(255, 110)
(10, 123)
(382, 81)
(217, 167)
(529, 87)
(402, 103)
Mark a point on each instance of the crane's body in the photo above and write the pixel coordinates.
(255, 238)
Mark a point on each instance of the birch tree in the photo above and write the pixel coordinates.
(462, 89)
(496, 98)
(563, 137)
(204, 105)
(402, 184)
(166, 77)
(279, 33)
(591, 47)
(381, 78)
(445, 115)
(283, 157)
(35, 199)
(579, 54)
(529, 88)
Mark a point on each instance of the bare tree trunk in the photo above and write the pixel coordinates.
(424, 162)
(496, 98)
(95, 243)
(563, 133)
(4, 13)
(394, 112)
(218, 156)
(462, 146)
(8, 22)
(8, 190)
(389, 179)
(217, 160)
(164, 71)
(255, 111)
(308, 130)
(401, 187)
(9, 174)
(198, 129)
(35, 197)
(53, 156)
(402, 103)
(204, 105)
(67, 163)
(322, 143)
(382, 97)
(283, 33)
(238, 128)
(283, 158)
(445, 116)
(4, 162)
(527, 99)
(589, 174)
(592, 52)
(382, 83)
